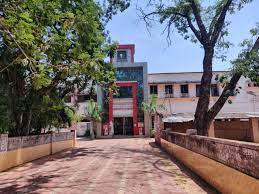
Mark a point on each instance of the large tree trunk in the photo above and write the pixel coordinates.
(201, 121)
(203, 115)
(92, 126)
(26, 125)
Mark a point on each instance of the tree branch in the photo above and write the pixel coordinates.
(194, 30)
(199, 21)
(219, 22)
(228, 90)
(188, 19)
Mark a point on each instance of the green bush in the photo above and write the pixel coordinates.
(152, 134)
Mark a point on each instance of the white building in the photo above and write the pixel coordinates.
(179, 92)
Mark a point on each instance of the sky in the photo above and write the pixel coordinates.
(181, 55)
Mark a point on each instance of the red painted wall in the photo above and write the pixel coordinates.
(133, 84)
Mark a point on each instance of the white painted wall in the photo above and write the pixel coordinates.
(82, 127)
(128, 57)
(243, 102)
(122, 107)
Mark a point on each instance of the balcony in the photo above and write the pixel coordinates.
(184, 95)
(168, 95)
(122, 60)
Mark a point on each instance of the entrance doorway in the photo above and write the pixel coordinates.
(123, 126)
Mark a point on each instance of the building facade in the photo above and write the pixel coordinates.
(179, 92)
(125, 114)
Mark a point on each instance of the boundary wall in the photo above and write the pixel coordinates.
(15, 151)
(229, 166)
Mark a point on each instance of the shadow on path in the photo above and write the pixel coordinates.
(49, 172)
(32, 185)
(161, 163)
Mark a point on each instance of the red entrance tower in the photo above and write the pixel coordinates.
(125, 114)
(132, 84)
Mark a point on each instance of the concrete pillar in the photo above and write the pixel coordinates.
(99, 96)
(73, 129)
(255, 129)
(147, 124)
(211, 132)
(98, 129)
(51, 143)
(92, 126)
(3, 142)
(111, 129)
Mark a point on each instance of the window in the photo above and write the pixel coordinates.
(121, 56)
(153, 89)
(184, 89)
(198, 90)
(83, 98)
(214, 90)
(168, 89)
(134, 74)
(124, 92)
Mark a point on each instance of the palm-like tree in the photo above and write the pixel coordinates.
(152, 107)
(93, 113)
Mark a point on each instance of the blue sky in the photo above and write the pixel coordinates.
(181, 55)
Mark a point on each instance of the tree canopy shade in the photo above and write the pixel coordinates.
(205, 23)
(47, 48)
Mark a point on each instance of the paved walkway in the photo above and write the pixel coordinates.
(113, 166)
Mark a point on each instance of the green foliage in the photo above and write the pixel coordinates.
(205, 23)
(5, 120)
(247, 61)
(52, 112)
(246, 64)
(71, 115)
(93, 110)
(152, 134)
(47, 49)
(152, 107)
(111, 7)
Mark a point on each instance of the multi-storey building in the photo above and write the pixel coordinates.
(122, 111)
(179, 92)
(125, 114)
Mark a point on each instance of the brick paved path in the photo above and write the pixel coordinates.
(104, 166)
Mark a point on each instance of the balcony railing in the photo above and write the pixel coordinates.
(184, 95)
(168, 95)
(122, 60)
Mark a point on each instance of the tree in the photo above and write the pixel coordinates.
(152, 108)
(93, 113)
(49, 48)
(246, 64)
(5, 120)
(206, 24)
